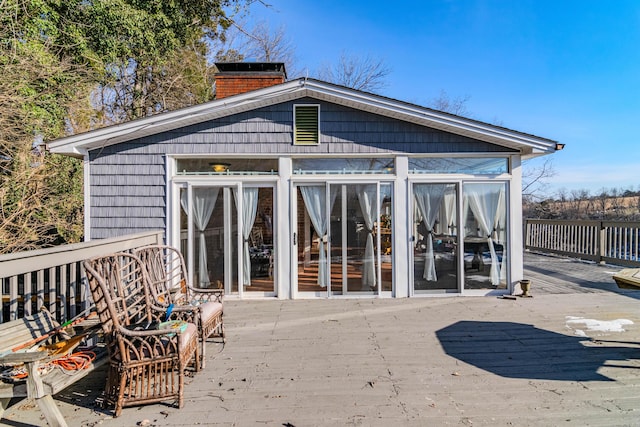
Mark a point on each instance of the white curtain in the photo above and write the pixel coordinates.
(366, 198)
(249, 210)
(428, 199)
(316, 204)
(204, 200)
(484, 201)
(501, 230)
(450, 212)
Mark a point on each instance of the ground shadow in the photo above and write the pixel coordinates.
(516, 350)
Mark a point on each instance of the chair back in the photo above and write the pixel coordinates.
(118, 287)
(167, 273)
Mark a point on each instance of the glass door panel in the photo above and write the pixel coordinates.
(360, 242)
(214, 240)
(435, 238)
(336, 247)
(214, 236)
(260, 242)
(386, 238)
(343, 250)
(485, 237)
(311, 237)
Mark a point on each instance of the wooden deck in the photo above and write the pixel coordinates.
(551, 274)
(481, 361)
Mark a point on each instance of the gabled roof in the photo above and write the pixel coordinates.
(528, 145)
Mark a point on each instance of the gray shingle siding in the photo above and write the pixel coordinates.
(127, 191)
(128, 179)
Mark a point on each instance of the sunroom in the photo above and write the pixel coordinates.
(305, 189)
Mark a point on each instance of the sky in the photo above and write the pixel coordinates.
(567, 70)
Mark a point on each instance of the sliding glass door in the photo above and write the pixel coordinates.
(227, 233)
(448, 259)
(435, 238)
(343, 238)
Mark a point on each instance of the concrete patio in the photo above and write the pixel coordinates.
(416, 362)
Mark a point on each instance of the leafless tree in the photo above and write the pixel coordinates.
(601, 203)
(364, 73)
(579, 204)
(457, 106)
(534, 179)
(258, 43)
(534, 176)
(265, 44)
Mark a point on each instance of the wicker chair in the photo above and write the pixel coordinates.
(146, 365)
(170, 285)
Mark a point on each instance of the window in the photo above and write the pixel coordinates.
(227, 166)
(343, 166)
(306, 124)
(465, 165)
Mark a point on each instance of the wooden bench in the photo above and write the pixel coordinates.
(39, 387)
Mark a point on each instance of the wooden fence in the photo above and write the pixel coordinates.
(54, 278)
(613, 242)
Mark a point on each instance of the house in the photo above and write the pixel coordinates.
(302, 188)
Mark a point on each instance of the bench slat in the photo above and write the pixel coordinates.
(23, 330)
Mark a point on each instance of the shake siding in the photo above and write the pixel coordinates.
(126, 197)
(128, 179)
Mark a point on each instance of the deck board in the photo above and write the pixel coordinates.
(412, 361)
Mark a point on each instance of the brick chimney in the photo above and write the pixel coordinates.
(234, 78)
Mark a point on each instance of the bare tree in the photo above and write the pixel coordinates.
(363, 73)
(579, 204)
(268, 45)
(534, 179)
(601, 203)
(258, 43)
(457, 106)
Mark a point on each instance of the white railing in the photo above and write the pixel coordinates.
(54, 278)
(614, 242)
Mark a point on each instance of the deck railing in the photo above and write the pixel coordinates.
(614, 242)
(54, 278)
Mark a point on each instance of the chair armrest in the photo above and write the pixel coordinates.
(206, 294)
(188, 313)
(141, 333)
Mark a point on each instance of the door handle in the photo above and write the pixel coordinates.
(294, 239)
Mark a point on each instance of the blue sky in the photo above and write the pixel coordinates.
(567, 70)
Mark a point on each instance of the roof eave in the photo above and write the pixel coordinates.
(529, 145)
(139, 128)
(432, 118)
